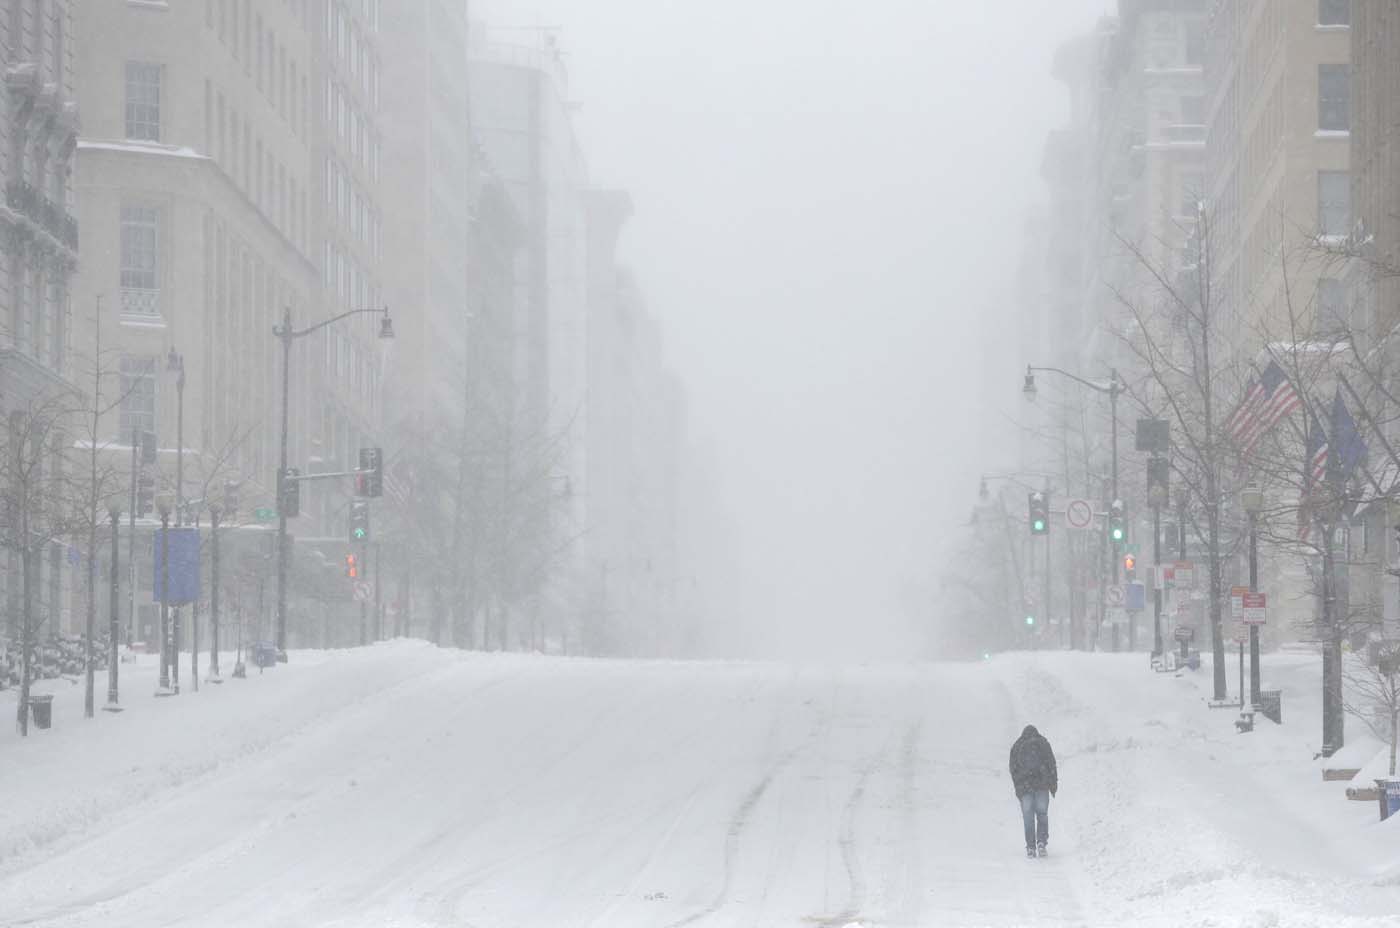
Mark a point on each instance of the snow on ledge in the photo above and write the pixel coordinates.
(142, 148)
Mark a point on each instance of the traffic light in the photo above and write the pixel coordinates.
(289, 492)
(352, 567)
(145, 494)
(231, 498)
(1117, 528)
(369, 480)
(1157, 475)
(1129, 566)
(1030, 620)
(148, 448)
(359, 521)
(1039, 506)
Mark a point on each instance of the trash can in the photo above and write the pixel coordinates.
(42, 709)
(1390, 796)
(1271, 704)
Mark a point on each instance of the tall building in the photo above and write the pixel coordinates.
(429, 176)
(1279, 121)
(38, 136)
(524, 122)
(1374, 281)
(636, 426)
(228, 176)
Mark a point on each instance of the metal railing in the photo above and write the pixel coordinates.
(140, 302)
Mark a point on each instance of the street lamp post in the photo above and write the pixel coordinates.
(175, 363)
(164, 688)
(1113, 388)
(287, 334)
(1252, 499)
(114, 616)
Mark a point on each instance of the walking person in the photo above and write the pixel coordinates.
(1035, 778)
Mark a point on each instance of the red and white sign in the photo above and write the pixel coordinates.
(1184, 573)
(1079, 513)
(1237, 601)
(1255, 608)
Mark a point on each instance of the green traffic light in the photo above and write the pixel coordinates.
(359, 533)
(1040, 525)
(1030, 620)
(1117, 534)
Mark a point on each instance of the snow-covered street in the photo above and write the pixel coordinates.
(402, 785)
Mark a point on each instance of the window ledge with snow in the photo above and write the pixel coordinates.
(1332, 134)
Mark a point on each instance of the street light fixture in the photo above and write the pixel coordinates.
(286, 334)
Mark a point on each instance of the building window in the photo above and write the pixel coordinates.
(140, 240)
(1331, 307)
(1333, 202)
(1334, 12)
(1195, 42)
(1333, 97)
(138, 395)
(143, 101)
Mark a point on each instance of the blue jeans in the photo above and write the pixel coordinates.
(1035, 813)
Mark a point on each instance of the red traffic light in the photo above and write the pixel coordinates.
(352, 567)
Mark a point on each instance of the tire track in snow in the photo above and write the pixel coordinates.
(743, 814)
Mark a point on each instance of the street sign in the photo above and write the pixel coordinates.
(1255, 609)
(1237, 601)
(1115, 594)
(1184, 633)
(362, 591)
(1184, 573)
(263, 514)
(1135, 597)
(1079, 513)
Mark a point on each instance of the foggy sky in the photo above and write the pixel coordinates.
(829, 204)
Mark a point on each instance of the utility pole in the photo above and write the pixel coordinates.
(214, 512)
(176, 362)
(378, 601)
(131, 544)
(164, 591)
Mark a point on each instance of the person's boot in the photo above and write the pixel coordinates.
(1030, 852)
(1040, 849)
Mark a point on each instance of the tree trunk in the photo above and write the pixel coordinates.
(26, 637)
(91, 618)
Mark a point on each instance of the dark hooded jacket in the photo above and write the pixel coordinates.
(1033, 763)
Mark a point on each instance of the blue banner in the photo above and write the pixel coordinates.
(183, 544)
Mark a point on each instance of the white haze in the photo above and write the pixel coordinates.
(830, 197)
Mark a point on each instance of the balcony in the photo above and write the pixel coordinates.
(22, 198)
(141, 304)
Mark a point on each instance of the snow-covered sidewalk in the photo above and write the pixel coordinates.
(403, 785)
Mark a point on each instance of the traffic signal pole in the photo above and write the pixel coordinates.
(1157, 585)
(1047, 559)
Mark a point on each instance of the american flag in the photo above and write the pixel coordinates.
(1269, 398)
(1314, 473)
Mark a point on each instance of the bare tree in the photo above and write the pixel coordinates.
(38, 503)
(1373, 694)
(1176, 331)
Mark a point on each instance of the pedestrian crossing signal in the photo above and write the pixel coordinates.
(352, 567)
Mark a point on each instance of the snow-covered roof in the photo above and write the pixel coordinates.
(141, 148)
